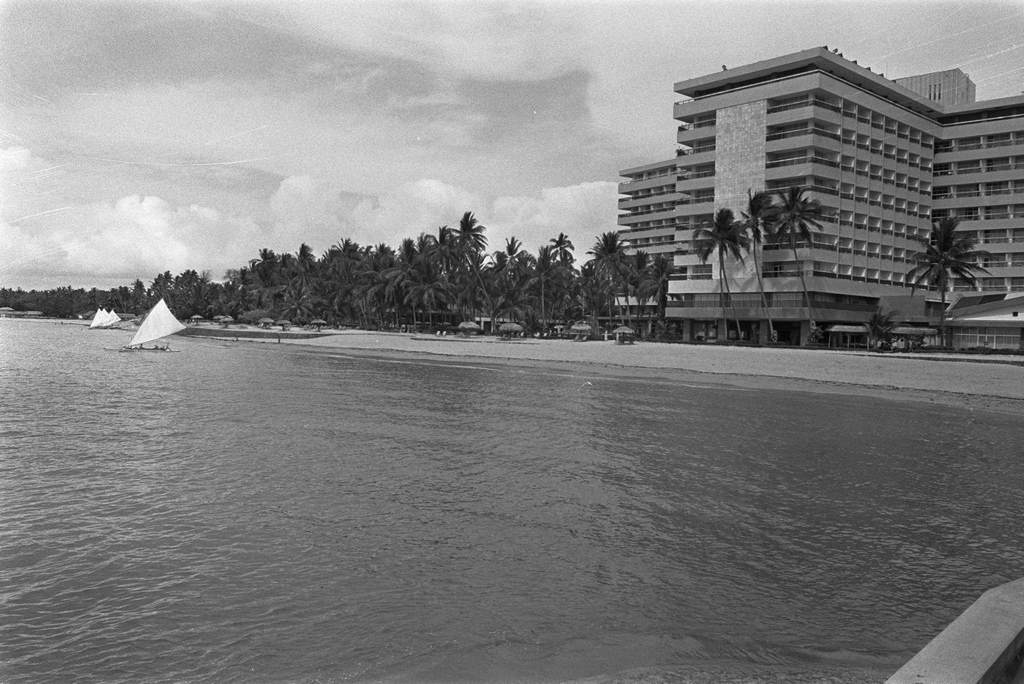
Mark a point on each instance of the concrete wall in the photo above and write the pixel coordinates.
(982, 646)
(949, 87)
(739, 166)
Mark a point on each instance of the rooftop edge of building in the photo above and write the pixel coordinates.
(834, 63)
(652, 166)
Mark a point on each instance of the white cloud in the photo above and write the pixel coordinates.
(113, 243)
(409, 210)
(580, 211)
(487, 40)
(138, 236)
(14, 158)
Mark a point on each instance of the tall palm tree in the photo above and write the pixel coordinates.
(636, 265)
(725, 236)
(471, 233)
(563, 248)
(472, 242)
(654, 283)
(399, 277)
(594, 288)
(609, 253)
(795, 216)
(545, 269)
(758, 222)
(946, 254)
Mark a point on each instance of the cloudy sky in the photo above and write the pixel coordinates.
(144, 136)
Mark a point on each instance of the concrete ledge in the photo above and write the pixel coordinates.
(984, 645)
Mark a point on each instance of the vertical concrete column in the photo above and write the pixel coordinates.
(805, 333)
(739, 166)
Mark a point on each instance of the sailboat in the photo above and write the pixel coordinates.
(157, 324)
(104, 319)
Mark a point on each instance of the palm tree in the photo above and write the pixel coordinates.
(472, 241)
(297, 301)
(609, 253)
(726, 236)
(654, 283)
(880, 326)
(593, 288)
(795, 215)
(636, 265)
(470, 233)
(545, 269)
(946, 254)
(758, 222)
(563, 248)
(399, 277)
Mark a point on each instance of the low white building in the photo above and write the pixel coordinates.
(994, 321)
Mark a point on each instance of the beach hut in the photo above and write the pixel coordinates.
(581, 331)
(194, 320)
(284, 323)
(623, 335)
(225, 320)
(318, 323)
(840, 335)
(265, 322)
(909, 338)
(509, 329)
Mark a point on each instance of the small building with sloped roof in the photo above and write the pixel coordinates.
(987, 321)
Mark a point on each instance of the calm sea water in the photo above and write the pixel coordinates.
(261, 512)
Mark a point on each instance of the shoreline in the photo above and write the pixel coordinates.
(969, 381)
(989, 384)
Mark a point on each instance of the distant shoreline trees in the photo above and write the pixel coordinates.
(448, 276)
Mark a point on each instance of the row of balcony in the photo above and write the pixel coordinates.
(851, 140)
(976, 166)
(853, 111)
(774, 300)
(982, 213)
(946, 193)
(991, 141)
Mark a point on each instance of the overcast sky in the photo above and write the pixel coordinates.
(138, 137)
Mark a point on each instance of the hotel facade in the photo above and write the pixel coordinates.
(884, 158)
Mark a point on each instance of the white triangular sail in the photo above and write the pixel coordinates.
(98, 319)
(112, 319)
(159, 322)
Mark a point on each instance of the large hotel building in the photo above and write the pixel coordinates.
(884, 158)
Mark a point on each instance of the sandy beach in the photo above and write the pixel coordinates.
(969, 381)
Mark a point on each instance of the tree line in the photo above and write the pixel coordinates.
(447, 276)
(431, 280)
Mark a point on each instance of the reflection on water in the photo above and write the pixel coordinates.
(249, 511)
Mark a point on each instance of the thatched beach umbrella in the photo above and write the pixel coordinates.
(284, 323)
(265, 322)
(318, 323)
(623, 334)
(468, 326)
(510, 328)
(225, 320)
(581, 330)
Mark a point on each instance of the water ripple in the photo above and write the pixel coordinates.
(255, 512)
